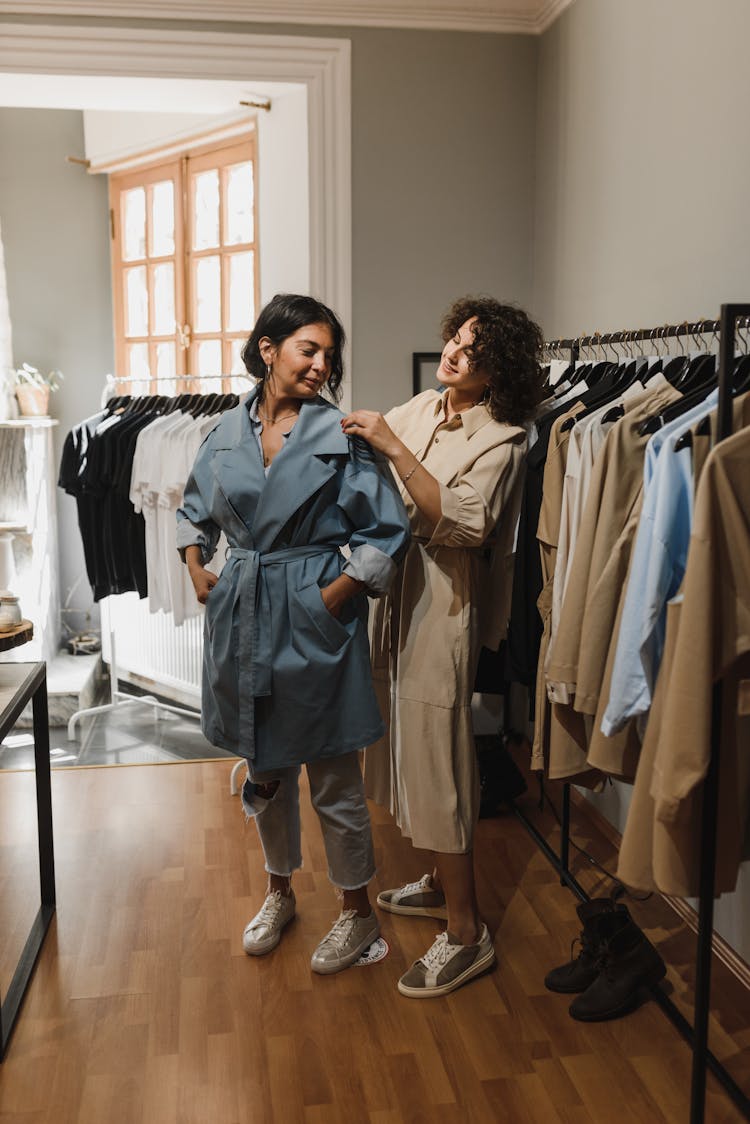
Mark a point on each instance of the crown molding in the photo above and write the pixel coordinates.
(548, 12)
(530, 18)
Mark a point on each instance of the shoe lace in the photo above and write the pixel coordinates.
(341, 930)
(416, 887)
(439, 952)
(270, 909)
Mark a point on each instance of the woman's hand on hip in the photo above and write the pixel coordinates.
(375, 430)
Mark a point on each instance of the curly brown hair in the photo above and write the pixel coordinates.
(507, 347)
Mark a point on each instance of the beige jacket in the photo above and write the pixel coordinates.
(708, 639)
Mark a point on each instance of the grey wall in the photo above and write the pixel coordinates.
(443, 167)
(55, 229)
(442, 186)
(643, 164)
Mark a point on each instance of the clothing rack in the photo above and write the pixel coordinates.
(112, 381)
(119, 699)
(696, 1034)
(639, 335)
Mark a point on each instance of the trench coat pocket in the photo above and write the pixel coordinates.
(333, 632)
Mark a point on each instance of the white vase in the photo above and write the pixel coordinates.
(7, 561)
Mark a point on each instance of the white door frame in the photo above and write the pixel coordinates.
(322, 65)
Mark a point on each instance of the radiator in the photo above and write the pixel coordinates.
(151, 650)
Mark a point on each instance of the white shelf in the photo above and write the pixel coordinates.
(28, 423)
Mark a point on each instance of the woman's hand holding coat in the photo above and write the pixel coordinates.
(374, 429)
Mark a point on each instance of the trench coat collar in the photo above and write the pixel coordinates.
(300, 469)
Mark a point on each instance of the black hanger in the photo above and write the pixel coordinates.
(674, 368)
(227, 402)
(693, 397)
(599, 371)
(580, 374)
(613, 415)
(655, 369)
(117, 403)
(177, 403)
(695, 373)
(139, 404)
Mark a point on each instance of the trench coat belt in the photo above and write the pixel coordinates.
(254, 677)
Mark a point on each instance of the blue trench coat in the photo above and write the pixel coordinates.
(284, 681)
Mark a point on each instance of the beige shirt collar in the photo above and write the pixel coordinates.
(470, 420)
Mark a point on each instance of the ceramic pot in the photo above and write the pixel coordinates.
(10, 612)
(33, 401)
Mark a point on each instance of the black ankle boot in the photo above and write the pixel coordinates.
(578, 974)
(628, 963)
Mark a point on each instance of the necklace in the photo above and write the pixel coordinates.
(281, 417)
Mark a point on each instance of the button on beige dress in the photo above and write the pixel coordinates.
(451, 595)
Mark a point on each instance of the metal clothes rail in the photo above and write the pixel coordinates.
(697, 1033)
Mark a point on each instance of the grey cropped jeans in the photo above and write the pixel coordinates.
(338, 796)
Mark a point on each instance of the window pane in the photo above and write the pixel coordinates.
(209, 360)
(165, 367)
(236, 366)
(206, 219)
(162, 219)
(137, 301)
(241, 313)
(134, 224)
(138, 367)
(239, 218)
(163, 282)
(207, 295)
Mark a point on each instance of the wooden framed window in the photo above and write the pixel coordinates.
(185, 267)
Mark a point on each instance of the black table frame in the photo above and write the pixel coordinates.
(31, 684)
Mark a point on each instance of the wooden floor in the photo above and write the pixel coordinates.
(145, 1010)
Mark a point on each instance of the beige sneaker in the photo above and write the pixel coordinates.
(447, 965)
(415, 899)
(347, 940)
(263, 933)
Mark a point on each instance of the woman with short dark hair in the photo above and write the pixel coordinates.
(286, 669)
(457, 456)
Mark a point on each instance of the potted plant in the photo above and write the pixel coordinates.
(33, 389)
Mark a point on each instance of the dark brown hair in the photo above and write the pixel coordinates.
(285, 314)
(507, 348)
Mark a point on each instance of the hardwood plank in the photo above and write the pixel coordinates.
(145, 1008)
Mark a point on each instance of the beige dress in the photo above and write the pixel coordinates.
(450, 596)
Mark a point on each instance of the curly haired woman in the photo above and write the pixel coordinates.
(458, 457)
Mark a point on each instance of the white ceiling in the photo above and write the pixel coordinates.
(525, 16)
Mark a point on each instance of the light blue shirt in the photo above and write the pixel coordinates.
(656, 570)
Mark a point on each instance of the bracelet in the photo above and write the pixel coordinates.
(410, 473)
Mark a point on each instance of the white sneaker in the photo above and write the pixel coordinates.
(447, 965)
(415, 899)
(345, 943)
(263, 933)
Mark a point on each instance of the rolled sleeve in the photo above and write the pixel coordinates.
(465, 520)
(471, 507)
(194, 525)
(372, 567)
(188, 534)
(378, 520)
